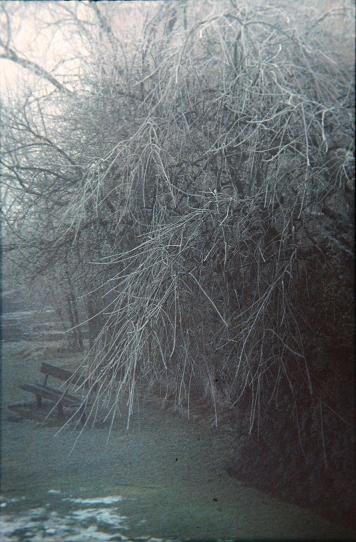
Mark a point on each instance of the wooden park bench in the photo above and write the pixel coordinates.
(60, 398)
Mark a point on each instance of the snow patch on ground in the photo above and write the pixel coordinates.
(97, 500)
(100, 515)
(37, 525)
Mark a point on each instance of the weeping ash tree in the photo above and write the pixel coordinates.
(228, 187)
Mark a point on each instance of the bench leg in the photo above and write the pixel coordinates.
(60, 410)
(38, 401)
(83, 416)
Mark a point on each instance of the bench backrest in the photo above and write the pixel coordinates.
(62, 374)
(56, 372)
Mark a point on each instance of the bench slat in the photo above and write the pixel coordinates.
(57, 372)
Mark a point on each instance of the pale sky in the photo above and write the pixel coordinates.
(36, 36)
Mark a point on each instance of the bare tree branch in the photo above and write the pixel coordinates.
(10, 54)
